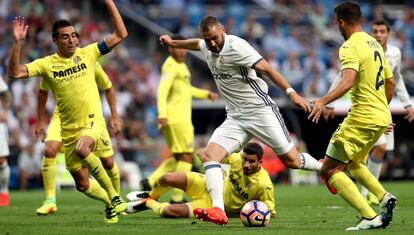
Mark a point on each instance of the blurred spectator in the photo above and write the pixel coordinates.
(30, 163)
(293, 71)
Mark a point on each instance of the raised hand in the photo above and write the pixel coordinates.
(165, 40)
(19, 28)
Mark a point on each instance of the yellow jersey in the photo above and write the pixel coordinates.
(72, 81)
(240, 188)
(101, 79)
(365, 55)
(175, 92)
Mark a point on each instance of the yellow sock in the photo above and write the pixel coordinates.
(168, 165)
(366, 178)
(157, 207)
(96, 192)
(49, 176)
(98, 171)
(158, 190)
(115, 177)
(178, 194)
(349, 192)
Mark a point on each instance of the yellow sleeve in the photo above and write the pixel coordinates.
(268, 197)
(233, 158)
(101, 78)
(36, 68)
(43, 85)
(93, 50)
(348, 57)
(199, 93)
(167, 77)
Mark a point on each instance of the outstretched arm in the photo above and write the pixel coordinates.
(19, 28)
(115, 121)
(120, 32)
(190, 44)
(264, 67)
(348, 77)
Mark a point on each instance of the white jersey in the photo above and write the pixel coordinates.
(393, 56)
(234, 74)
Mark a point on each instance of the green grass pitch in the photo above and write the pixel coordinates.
(300, 210)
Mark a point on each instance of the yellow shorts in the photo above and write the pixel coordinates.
(197, 190)
(353, 141)
(54, 131)
(180, 137)
(95, 129)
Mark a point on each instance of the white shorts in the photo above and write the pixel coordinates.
(4, 144)
(266, 124)
(386, 139)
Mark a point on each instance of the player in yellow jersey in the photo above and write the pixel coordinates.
(365, 71)
(174, 115)
(245, 181)
(53, 141)
(70, 74)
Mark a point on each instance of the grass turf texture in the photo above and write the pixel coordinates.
(300, 210)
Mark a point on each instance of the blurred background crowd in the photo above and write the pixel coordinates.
(298, 37)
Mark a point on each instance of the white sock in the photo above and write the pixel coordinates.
(307, 162)
(4, 177)
(214, 182)
(374, 166)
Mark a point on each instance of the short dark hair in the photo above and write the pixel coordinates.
(207, 22)
(58, 25)
(349, 12)
(382, 22)
(254, 149)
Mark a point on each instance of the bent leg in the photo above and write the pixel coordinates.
(332, 170)
(295, 160)
(90, 187)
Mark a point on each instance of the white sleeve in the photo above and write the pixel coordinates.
(402, 93)
(3, 85)
(334, 84)
(202, 45)
(246, 55)
(400, 88)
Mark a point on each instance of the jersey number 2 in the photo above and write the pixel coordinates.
(378, 82)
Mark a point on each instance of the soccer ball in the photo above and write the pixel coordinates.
(254, 214)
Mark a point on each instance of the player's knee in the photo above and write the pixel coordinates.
(82, 151)
(205, 157)
(81, 186)
(108, 163)
(166, 179)
(380, 151)
(51, 151)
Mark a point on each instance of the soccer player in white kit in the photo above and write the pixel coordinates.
(381, 31)
(5, 101)
(250, 110)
